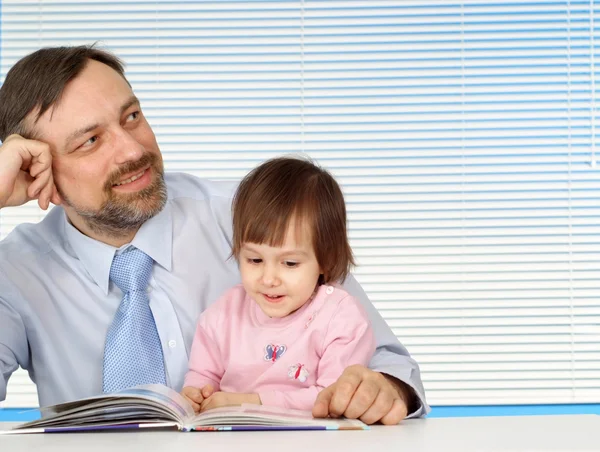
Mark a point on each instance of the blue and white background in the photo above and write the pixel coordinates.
(463, 134)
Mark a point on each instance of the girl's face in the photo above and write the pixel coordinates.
(280, 279)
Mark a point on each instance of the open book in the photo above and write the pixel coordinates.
(156, 406)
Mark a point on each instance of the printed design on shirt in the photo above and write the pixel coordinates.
(310, 319)
(274, 351)
(298, 372)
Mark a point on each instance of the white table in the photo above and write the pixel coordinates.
(512, 433)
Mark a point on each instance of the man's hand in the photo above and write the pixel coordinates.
(219, 399)
(361, 393)
(26, 173)
(196, 395)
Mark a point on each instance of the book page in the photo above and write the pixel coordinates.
(267, 416)
(146, 403)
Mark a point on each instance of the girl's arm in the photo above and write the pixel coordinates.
(206, 366)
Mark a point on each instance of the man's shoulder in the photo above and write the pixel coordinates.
(27, 250)
(184, 185)
(28, 238)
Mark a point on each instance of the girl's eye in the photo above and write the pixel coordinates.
(291, 264)
(254, 261)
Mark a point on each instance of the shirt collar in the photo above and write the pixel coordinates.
(155, 238)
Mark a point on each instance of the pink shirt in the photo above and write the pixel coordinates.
(286, 361)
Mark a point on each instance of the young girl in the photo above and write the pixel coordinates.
(289, 330)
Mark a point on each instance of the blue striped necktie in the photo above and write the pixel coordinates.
(133, 351)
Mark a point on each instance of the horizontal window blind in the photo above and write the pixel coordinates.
(463, 134)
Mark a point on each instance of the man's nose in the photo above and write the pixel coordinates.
(127, 148)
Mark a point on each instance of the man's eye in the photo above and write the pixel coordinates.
(133, 116)
(90, 141)
(291, 264)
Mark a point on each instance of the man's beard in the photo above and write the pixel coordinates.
(123, 213)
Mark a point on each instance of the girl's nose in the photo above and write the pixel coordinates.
(269, 277)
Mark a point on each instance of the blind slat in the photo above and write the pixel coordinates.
(463, 135)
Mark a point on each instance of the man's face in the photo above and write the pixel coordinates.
(106, 163)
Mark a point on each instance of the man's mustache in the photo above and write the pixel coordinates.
(130, 167)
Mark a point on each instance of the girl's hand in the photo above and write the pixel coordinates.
(196, 395)
(220, 399)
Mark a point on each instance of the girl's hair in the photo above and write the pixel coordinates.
(288, 189)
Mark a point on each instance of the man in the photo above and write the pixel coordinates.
(74, 134)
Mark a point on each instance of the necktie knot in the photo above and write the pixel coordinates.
(131, 270)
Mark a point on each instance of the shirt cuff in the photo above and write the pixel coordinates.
(2, 388)
(405, 375)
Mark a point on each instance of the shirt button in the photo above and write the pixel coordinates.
(172, 343)
(329, 290)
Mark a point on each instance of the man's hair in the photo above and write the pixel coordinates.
(37, 81)
(288, 189)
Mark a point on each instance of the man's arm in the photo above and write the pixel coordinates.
(13, 341)
(391, 358)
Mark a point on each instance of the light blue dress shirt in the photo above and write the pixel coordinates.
(57, 303)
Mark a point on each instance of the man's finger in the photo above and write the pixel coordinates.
(363, 398)
(56, 199)
(396, 414)
(46, 194)
(380, 407)
(345, 388)
(36, 186)
(40, 163)
(32, 150)
(40, 185)
(321, 406)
